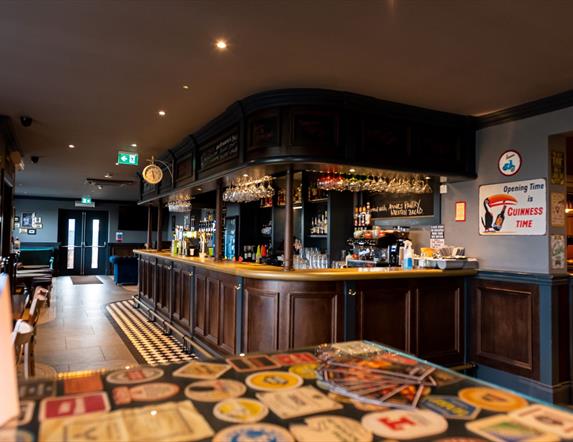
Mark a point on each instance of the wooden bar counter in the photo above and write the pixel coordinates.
(228, 308)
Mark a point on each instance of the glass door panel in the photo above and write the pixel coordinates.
(83, 240)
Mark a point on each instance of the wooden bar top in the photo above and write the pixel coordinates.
(267, 272)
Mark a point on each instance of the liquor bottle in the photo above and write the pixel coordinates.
(368, 216)
(258, 255)
(356, 216)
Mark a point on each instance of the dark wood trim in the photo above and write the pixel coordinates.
(526, 110)
(289, 219)
(159, 226)
(219, 222)
(149, 242)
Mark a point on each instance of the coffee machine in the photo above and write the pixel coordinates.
(383, 251)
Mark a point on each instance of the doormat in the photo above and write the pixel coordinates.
(79, 280)
(144, 339)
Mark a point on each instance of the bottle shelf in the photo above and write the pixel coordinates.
(320, 200)
(317, 236)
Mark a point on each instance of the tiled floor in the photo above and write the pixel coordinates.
(74, 333)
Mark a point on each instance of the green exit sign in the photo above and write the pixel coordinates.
(86, 199)
(129, 158)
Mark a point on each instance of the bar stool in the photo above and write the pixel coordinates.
(22, 337)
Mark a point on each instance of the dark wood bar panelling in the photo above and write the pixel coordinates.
(302, 304)
(439, 323)
(261, 301)
(200, 310)
(424, 317)
(181, 303)
(162, 295)
(419, 315)
(384, 312)
(505, 326)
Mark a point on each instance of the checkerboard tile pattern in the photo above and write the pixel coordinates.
(146, 338)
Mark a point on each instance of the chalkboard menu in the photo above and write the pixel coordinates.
(403, 205)
(220, 151)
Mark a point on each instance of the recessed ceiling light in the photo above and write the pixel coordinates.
(221, 44)
(99, 187)
(245, 175)
(108, 175)
(162, 113)
(352, 170)
(71, 146)
(199, 189)
(133, 145)
(185, 86)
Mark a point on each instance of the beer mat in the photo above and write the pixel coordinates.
(145, 340)
(174, 422)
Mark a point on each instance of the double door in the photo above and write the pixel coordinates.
(83, 240)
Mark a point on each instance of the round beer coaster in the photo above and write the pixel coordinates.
(253, 432)
(155, 391)
(492, 399)
(215, 390)
(135, 375)
(305, 371)
(273, 380)
(460, 439)
(405, 424)
(240, 411)
(339, 398)
(364, 406)
(330, 428)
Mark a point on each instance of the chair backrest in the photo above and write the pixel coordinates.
(36, 309)
(21, 335)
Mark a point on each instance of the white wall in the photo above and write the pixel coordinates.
(530, 137)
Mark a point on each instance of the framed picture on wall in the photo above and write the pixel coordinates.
(16, 225)
(27, 219)
(37, 220)
(31, 231)
(38, 226)
(22, 230)
(16, 219)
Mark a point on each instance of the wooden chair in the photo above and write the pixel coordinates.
(31, 319)
(22, 337)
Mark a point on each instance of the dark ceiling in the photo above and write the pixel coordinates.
(95, 73)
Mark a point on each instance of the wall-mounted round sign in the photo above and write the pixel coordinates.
(509, 163)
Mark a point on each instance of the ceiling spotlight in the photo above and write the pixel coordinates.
(100, 187)
(162, 113)
(245, 175)
(221, 44)
(71, 146)
(186, 86)
(352, 170)
(133, 145)
(199, 189)
(108, 175)
(117, 164)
